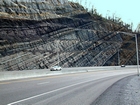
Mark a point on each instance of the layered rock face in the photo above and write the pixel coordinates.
(37, 34)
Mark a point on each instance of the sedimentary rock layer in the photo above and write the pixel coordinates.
(37, 34)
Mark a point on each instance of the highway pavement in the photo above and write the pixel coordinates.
(68, 89)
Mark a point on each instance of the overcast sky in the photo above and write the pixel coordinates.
(127, 10)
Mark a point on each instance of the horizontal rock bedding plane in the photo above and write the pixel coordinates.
(38, 34)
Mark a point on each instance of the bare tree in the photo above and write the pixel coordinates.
(138, 28)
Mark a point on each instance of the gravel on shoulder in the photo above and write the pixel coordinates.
(124, 92)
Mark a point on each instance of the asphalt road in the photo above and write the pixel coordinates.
(70, 89)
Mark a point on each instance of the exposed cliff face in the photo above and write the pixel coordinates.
(34, 32)
(37, 9)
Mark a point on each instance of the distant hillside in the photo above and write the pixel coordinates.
(37, 34)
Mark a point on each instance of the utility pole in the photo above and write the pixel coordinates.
(58, 51)
(118, 57)
(137, 53)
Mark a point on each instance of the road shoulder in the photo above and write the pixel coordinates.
(124, 92)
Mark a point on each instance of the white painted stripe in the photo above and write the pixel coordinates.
(43, 83)
(49, 92)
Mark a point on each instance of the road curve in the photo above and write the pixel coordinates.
(70, 89)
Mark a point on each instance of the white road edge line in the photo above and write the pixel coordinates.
(48, 92)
